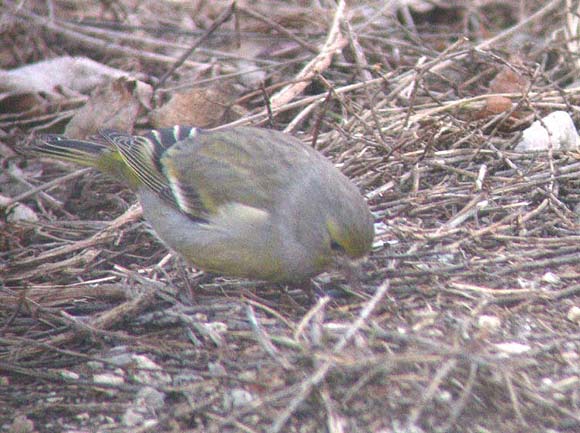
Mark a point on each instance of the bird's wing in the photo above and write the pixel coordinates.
(143, 154)
(240, 165)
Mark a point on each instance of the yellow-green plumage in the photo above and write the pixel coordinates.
(242, 201)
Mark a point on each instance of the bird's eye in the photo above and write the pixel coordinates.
(336, 247)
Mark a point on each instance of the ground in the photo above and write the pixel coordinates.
(466, 316)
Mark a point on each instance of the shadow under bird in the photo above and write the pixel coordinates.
(244, 201)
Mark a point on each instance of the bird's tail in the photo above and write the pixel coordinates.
(96, 152)
(83, 152)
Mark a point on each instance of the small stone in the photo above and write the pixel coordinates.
(556, 130)
(236, 398)
(95, 365)
(20, 213)
(241, 397)
(551, 278)
(444, 396)
(573, 315)
(149, 397)
(216, 369)
(83, 417)
(108, 379)
(488, 322)
(512, 348)
(70, 375)
(183, 379)
(132, 417)
(148, 372)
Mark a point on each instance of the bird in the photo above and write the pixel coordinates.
(242, 201)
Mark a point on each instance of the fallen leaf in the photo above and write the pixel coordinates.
(115, 105)
(200, 107)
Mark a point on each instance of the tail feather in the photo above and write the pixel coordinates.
(87, 153)
(94, 152)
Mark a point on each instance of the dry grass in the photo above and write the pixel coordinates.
(477, 245)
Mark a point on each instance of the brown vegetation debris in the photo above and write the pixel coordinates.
(465, 316)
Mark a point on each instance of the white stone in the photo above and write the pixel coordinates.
(490, 323)
(557, 128)
(108, 379)
(574, 314)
